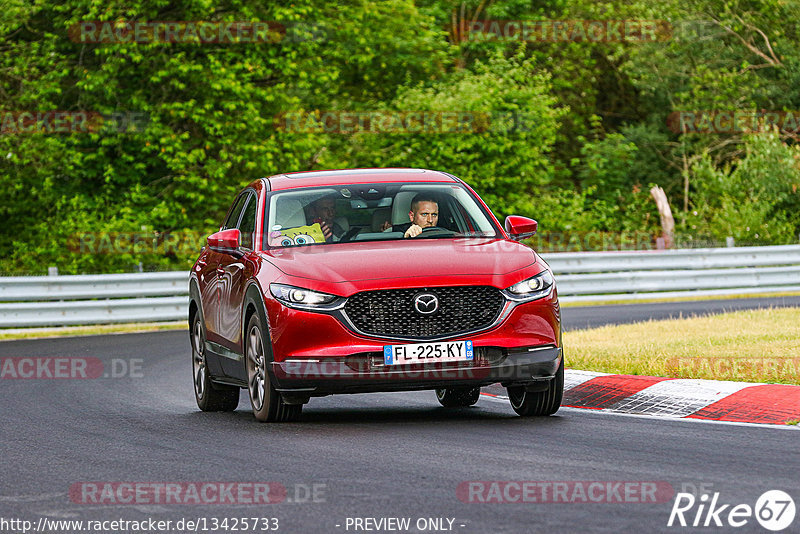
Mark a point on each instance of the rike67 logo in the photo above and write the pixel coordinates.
(774, 510)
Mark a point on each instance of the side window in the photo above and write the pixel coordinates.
(248, 225)
(233, 218)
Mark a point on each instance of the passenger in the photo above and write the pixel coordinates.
(323, 211)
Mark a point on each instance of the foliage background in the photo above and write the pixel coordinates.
(597, 140)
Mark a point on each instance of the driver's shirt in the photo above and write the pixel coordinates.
(401, 227)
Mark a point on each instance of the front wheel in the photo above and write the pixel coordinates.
(267, 403)
(538, 403)
(458, 397)
(210, 397)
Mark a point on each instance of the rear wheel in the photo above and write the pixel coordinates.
(210, 397)
(538, 403)
(267, 403)
(458, 397)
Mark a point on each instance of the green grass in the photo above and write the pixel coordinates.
(747, 346)
(66, 331)
(601, 301)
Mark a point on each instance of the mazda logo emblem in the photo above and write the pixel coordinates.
(426, 303)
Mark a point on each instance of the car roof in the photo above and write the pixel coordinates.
(355, 176)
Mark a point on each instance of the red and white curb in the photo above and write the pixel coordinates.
(743, 402)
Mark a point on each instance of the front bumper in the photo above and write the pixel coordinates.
(303, 335)
(315, 354)
(365, 372)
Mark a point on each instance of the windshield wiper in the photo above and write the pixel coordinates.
(473, 234)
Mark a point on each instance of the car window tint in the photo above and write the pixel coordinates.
(248, 224)
(233, 217)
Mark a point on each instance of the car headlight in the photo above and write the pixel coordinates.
(533, 288)
(298, 297)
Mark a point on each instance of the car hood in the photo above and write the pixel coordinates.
(346, 267)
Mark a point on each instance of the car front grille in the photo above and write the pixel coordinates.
(392, 313)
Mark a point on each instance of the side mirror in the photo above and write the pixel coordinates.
(224, 239)
(519, 228)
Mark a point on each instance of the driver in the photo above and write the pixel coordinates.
(424, 214)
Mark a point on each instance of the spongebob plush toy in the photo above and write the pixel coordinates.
(300, 235)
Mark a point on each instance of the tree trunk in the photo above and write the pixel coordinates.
(664, 211)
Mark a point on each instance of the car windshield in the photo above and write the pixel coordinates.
(374, 212)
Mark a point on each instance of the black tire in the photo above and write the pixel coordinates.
(210, 397)
(458, 397)
(267, 403)
(538, 403)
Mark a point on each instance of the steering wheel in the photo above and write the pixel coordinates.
(432, 230)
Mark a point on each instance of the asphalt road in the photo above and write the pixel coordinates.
(370, 456)
(592, 316)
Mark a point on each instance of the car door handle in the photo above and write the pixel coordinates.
(201, 262)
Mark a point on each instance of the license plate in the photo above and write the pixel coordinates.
(454, 351)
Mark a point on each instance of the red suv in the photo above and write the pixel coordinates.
(367, 280)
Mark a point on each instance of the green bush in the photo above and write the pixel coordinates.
(754, 199)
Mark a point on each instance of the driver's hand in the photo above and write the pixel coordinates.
(413, 231)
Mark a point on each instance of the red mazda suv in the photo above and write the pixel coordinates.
(368, 280)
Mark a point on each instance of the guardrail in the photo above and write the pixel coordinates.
(27, 301)
(581, 276)
(635, 275)
(648, 260)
